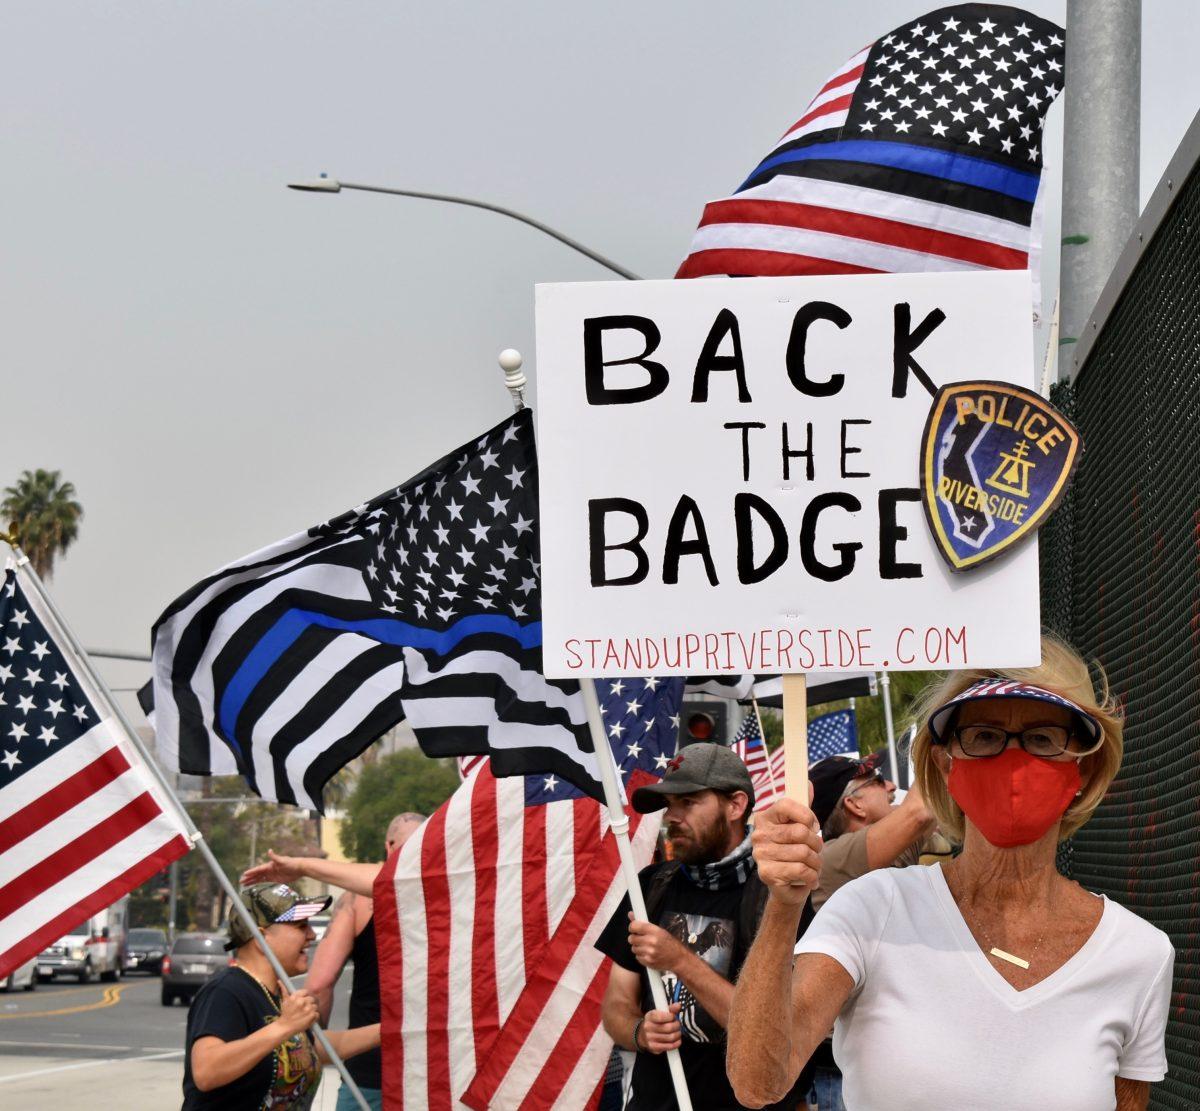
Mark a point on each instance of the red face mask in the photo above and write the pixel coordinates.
(1013, 798)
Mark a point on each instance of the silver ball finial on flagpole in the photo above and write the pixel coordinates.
(510, 362)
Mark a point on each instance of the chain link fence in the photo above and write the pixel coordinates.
(1120, 574)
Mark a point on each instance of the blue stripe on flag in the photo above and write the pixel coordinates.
(961, 168)
(386, 630)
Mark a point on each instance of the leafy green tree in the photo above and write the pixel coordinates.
(43, 515)
(400, 781)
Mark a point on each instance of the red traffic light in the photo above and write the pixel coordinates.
(700, 727)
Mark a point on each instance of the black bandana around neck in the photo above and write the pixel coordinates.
(730, 871)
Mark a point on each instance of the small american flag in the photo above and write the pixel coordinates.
(81, 821)
(832, 734)
(486, 919)
(749, 747)
(922, 152)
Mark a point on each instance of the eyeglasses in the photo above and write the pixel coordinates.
(1038, 740)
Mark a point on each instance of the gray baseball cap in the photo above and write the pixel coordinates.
(698, 767)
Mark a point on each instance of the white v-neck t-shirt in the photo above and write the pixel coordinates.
(930, 1025)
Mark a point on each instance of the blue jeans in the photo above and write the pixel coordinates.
(346, 1102)
(827, 1090)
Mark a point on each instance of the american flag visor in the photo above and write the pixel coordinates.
(941, 718)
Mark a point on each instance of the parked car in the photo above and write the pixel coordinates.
(23, 977)
(192, 960)
(95, 947)
(144, 951)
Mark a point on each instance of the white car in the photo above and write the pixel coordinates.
(23, 977)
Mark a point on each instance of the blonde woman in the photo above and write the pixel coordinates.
(989, 982)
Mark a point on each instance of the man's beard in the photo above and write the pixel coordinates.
(708, 846)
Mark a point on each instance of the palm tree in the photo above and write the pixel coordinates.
(43, 516)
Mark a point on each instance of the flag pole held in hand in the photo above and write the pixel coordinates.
(65, 637)
(614, 796)
(614, 800)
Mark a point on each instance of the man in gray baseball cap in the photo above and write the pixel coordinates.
(698, 767)
(703, 908)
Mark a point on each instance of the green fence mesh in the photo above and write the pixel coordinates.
(1120, 563)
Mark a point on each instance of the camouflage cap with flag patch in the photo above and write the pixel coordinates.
(269, 903)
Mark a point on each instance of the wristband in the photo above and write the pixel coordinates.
(637, 1027)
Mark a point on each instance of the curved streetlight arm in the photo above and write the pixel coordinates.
(566, 240)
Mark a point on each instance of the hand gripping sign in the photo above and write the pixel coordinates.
(995, 462)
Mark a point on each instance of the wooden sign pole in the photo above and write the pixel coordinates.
(795, 737)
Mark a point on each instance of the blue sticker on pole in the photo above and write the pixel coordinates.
(995, 462)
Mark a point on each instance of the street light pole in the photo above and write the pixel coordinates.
(325, 184)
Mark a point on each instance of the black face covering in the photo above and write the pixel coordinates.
(730, 871)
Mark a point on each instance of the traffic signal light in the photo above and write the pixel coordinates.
(703, 720)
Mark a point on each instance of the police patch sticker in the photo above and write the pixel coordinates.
(995, 462)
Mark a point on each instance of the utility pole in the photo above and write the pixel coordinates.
(1101, 153)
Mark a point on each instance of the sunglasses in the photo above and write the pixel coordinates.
(877, 779)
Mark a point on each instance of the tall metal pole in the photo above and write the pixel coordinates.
(1100, 153)
(104, 695)
(173, 902)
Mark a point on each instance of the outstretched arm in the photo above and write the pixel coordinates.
(358, 878)
(332, 954)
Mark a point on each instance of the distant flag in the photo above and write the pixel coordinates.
(831, 735)
(748, 744)
(486, 919)
(422, 604)
(81, 819)
(922, 152)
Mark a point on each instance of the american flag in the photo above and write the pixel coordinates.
(922, 152)
(422, 604)
(748, 745)
(81, 821)
(486, 919)
(832, 734)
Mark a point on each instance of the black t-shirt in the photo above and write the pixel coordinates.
(231, 1006)
(366, 1068)
(708, 923)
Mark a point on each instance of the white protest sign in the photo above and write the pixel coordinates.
(729, 475)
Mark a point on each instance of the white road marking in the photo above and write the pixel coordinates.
(89, 1064)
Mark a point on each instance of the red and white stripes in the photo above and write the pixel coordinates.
(486, 919)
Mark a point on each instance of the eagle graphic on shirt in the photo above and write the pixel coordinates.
(711, 939)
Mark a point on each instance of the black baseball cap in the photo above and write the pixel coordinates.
(698, 767)
(830, 777)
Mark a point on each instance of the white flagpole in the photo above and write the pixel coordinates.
(614, 795)
(619, 820)
(100, 689)
(885, 681)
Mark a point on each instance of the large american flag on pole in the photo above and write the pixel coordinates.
(82, 822)
(485, 921)
(423, 603)
(922, 152)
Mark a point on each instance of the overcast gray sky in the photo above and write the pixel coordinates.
(217, 362)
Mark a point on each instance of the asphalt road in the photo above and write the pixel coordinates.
(104, 1046)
